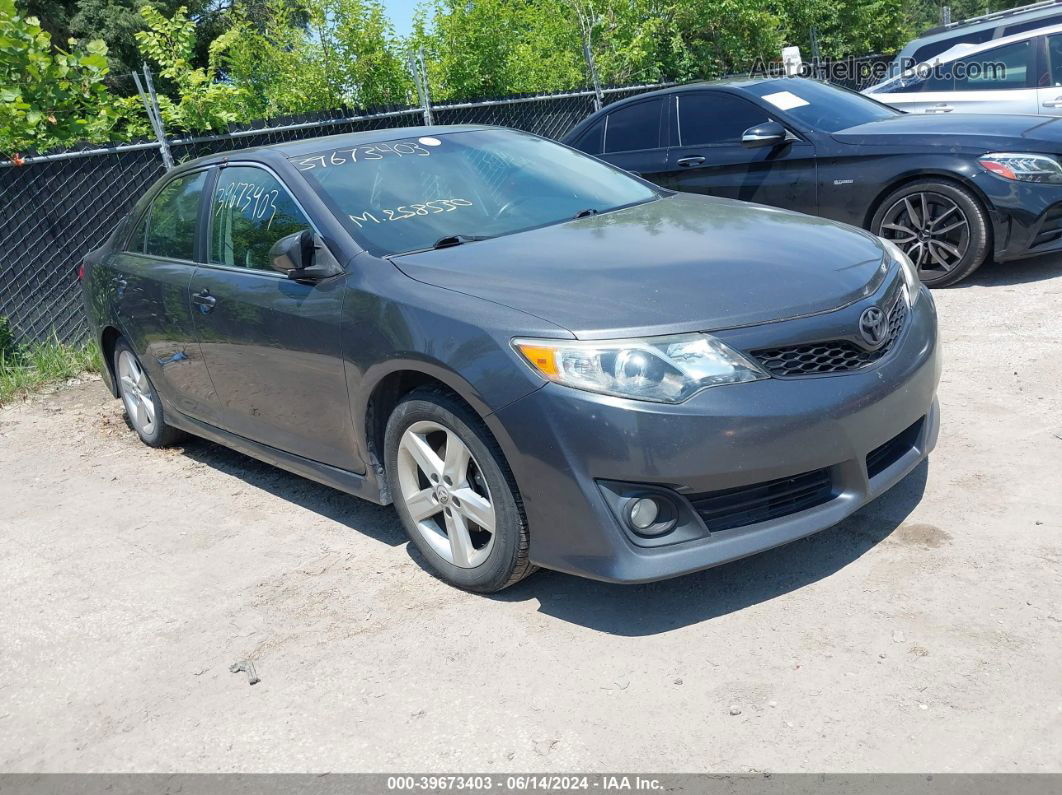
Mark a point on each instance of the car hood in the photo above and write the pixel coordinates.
(958, 131)
(681, 263)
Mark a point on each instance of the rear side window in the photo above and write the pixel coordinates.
(931, 50)
(715, 118)
(1034, 24)
(171, 221)
(251, 211)
(1054, 54)
(634, 127)
(590, 141)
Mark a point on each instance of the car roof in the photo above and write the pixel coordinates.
(960, 29)
(308, 146)
(724, 83)
(965, 49)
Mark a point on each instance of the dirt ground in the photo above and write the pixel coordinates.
(922, 634)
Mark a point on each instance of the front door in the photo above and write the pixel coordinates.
(272, 345)
(707, 155)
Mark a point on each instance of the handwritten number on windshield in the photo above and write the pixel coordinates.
(339, 157)
(405, 211)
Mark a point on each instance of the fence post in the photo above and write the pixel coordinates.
(816, 58)
(420, 79)
(599, 97)
(151, 105)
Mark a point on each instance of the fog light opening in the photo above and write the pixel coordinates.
(650, 515)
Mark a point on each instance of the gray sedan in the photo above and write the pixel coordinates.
(540, 359)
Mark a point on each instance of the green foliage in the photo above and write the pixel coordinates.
(243, 60)
(314, 55)
(7, 339)
(200, 101)
(49, 96)
(497, 47)
(27, 369)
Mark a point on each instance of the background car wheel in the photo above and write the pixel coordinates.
(142, 404)
(455, 493)
(942, 228)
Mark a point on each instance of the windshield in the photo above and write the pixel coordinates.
(820, 106)
(411, 193)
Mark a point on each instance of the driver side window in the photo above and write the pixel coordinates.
(251, 211)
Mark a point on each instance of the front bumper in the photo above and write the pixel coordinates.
(562, 443)
(1026, 218)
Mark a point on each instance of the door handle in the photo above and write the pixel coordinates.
(943, 107)
(687, 162)
(204, 300)
(120, 284)
(1054, 103)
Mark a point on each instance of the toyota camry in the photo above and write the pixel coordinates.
(538, 358)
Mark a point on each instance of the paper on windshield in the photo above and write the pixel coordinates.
(785, 100)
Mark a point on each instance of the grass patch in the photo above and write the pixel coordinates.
(25, 369)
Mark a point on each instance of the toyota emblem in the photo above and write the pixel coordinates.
(874, 327)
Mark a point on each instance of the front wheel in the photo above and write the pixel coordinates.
(455, 494)
(940, 226)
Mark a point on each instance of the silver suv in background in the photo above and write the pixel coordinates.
(983, 29)
(1016, 74)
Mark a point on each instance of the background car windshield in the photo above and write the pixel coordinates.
(821, 106)
(406, 194)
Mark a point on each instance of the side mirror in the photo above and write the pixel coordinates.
(769, 133)
(303, 256)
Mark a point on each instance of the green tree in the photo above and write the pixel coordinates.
(477, 48)
(200, 102)
(48, 96)
(316, 55)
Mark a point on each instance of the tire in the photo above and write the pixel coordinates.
(142, 405)
(429, 474)
(957, 246)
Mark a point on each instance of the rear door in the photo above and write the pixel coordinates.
(1049, 96)
(707, 155)
(149, 278)
(271, 345)
(631, 137)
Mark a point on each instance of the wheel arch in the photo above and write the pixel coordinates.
(109, 337)
(950, 177)
(389, 388)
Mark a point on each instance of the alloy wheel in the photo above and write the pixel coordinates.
(137, 394)
(931, 229)
(446, 494)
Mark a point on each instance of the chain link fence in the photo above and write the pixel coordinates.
(57, 207)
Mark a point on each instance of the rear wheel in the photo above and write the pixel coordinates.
(455, 494)
(940, 226)
(142, 404)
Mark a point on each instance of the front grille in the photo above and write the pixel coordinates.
(881, 458)
(761, 502)
(835, 356)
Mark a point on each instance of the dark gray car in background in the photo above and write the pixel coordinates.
(539, 359)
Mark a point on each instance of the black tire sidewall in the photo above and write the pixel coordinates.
(161, 433)
(498, 570)
(976, 217)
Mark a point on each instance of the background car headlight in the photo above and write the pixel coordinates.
(661, 369)
(1023, 167)
(907, 268)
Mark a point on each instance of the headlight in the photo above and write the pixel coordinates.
(911, 281)
(1023, 167)
(661, 369)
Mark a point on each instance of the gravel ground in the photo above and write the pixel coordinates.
(924, 633)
